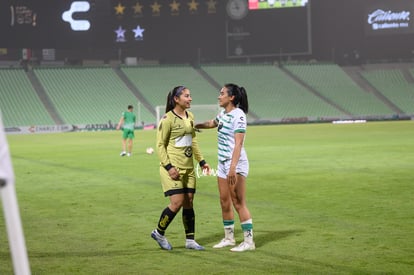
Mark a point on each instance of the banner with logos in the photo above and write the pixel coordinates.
(37, 129)
(49, 129)
(389, 17)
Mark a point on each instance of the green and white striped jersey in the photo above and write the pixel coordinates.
(229, 124)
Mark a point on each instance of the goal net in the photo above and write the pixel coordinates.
(201, 112)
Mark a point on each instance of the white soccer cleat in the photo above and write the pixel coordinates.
(129, 154)
(244, 246)
(123, 154)
(161, 240)
(193, 245)
(225, 242)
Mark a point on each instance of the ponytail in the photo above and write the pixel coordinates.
(243, 103)
(240, 96)
(170, 102)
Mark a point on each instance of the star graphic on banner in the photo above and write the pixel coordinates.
(138, 33)
(211, 6)
(175, 7)
(119, 9)
(137, 8)
(192, 6)
(156, 8)
(120, 34)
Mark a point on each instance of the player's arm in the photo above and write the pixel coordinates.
(163, 137)
(207, 125)
(239, 126)
(120, 123)
(238, 144)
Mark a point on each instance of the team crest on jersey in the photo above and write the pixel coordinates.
(188, 152)
(220, 126)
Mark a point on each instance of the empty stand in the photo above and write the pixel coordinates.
(333, 83)
(272, 94)
(97, 95)
(19, 102)
(89, 95)
(393, 85)
(154, 82)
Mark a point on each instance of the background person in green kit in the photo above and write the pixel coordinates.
(127, 124)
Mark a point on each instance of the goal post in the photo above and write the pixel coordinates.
(11, 209)
(202, 112)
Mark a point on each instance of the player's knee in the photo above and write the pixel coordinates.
(225, 204)
(176, 206)
(238, 204)
(188, 204)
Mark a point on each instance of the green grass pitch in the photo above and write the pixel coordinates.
(325, 199)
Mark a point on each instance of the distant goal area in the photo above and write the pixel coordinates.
(201, 112)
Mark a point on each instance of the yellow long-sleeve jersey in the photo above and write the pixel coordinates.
(177, 142)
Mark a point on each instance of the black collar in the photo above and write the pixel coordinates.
(186, 114)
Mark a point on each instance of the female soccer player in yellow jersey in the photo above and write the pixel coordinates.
(233, 165)
(176, 148)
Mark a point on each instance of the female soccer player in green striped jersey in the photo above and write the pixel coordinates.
(176, 147)
(233, 165)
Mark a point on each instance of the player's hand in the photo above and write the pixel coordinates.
(174, 174)
(206, 169)
(232, 177)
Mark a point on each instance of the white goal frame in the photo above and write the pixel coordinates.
(202, 112)
(11, 211)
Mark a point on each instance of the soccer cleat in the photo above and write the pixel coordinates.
(243, 246)
(225, 242)
(123, 154)
(161, 240)
(193, 245)
(128, 154)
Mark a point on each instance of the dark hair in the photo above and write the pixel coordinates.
(130, 107)
(240, 96)
(176, 92)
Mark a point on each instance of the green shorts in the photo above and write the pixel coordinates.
(128, 133)
(186, 183)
